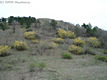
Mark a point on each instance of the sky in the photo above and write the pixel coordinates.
(73, 11)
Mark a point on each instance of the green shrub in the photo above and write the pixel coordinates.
(93, 42)
(42, 65)
(105, 51)
(29, 35)
(66, 56)
(76, 49)
(32, 66)
(66, 34)
(53, 23)
(102, 58)
(19, 45)
(79, 42)
(4, 50)
(59, 40)
(3, 26)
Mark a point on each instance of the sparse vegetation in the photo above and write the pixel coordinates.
(66, 55)
(76, 49)
(20, 45)
(6, 67)
(32, 66)
(90, 51)
(34, 41)
(53, 45)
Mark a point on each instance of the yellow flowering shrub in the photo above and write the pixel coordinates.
(19, 45)
(79, 42)
(29, 35)
(53, 45)
(70, 34)
(4, 50)
(34, 41)
(93, 42)
(66, 34)
(76, 49)
(59, 40)
(61, 33)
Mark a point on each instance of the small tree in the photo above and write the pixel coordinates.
(53, 24)
(89, 30)
(3, 26)
(14, 28)
(10, 19)
(38, 23)
(4, 20)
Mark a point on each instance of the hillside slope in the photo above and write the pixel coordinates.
(41, 57)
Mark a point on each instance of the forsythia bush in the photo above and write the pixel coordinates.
(79, 42)
(76, 49)
(19, 45)
(4, 50)
(34, 41)
(29, 35)
(59, 40)
(61, 33)
(53, 45)
(93, 42)
(65, 34)
(70, 34)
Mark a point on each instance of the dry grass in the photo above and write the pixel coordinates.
(16, 65)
